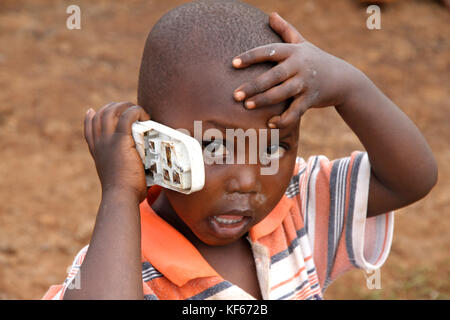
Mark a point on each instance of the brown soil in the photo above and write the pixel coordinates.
(49, 76)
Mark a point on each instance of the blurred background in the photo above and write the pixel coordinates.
(50, 76)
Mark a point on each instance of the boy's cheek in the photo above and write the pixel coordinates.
(188, 202)
(260, 199)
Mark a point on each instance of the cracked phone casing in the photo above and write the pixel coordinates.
(171, 159)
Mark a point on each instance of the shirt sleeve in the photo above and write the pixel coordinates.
(56, 292)
(333, 202)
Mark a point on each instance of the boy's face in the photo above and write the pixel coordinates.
(235, 196)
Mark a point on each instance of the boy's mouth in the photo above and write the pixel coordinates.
(228, 219)
(230, 224)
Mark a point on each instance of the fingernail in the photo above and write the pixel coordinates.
(237, 62)
(271, 125)
(239, 95)
(250, 104)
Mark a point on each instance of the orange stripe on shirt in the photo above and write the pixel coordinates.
(302, 293)
(288, 280)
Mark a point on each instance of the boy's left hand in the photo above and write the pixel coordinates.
(311, 76)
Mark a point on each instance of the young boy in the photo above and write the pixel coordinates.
(245, 235)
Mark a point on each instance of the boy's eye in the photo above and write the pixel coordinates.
(215, 148)
(274, 152)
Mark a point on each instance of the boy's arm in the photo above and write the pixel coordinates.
(112, 268)
(403, 167)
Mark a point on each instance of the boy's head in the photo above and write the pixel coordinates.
(186, 75)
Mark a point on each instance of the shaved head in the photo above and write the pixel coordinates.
(196, 35)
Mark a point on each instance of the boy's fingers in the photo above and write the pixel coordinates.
(267, 80)
(292, 115)
(126, 119)
(88, 130)
(287, 32)
(270, 52)
(97, 121)
(111, 115)
(277, 94)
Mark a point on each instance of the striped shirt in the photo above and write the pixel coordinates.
(316, 232)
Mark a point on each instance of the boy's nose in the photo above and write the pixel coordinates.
(243, 178)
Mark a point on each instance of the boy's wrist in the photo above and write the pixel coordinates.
(355, 83)
(121, 192)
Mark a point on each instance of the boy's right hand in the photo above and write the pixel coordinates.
(108, 135)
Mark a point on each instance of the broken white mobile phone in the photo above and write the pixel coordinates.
(171, 159)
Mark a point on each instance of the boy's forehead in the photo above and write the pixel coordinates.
(204, 91)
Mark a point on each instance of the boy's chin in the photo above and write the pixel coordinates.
(217, 242)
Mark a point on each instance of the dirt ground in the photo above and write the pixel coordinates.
(49, 76)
